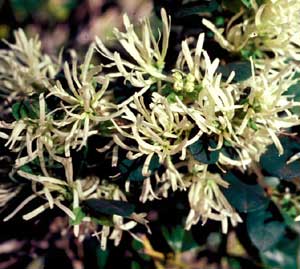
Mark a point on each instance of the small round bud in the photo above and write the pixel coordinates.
(190, 78)
(177, 76)
(178, 86)
(189, 86)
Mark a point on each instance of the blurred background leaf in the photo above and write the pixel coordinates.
(265, 228)
(244, 197)
(276, 165)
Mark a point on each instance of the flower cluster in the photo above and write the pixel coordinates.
(207, 200)
(24, 69)
(270, 27)
(186, 125)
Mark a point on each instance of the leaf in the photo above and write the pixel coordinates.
(200, 150)
(103, 220)
(276, 165)
(134, 169)
(170, 93)
(188, 241)
(79, 160)
(179, 239)
(174, 237)
(136, 174)
(233, 5)
(102, 257)
(290, 221)
(138, 248)
(295, 91)
(244, 197)
(105, 128)
(236, 5)
(230, 151)
(26, 6)
(264, 229)
(247, 3)
(110, 207)
(26, 168)
(242, 70)
(197, 7)
(135, 265)
(285, 254)
(15, 110)
(25, 109)
(79, 216)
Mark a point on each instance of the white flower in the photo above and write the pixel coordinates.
(85, 106)
(277, 23)
(162, 130)
(268, 108)
(147, 57)
(23, 68)
(215, 103)
(248, 115)
(37, 136)
(208, 202)
(273, 26)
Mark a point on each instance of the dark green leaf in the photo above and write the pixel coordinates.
(105, 128)
(264, 229)
(138, 247)
(172, 97)
(25, 109)
(247, 3)
(110, 207)
(242, 70)
(244, 197)
(103, 220)
(290, 221)
(233, 5)
(136, 175)
(188, 241)
(276, 165)
(251, 51)
(252, 124)
(26, 6)
(135, 265)
(102, 257)
(79, 214)
(197, 7)
(295, 91)
(174, 237)
(200, 151)
(219, 21)
(134, 169)
(179, 239)
(284, 255)
(26, 168)
(236, 5)
(15, 110)
(170, 93)
(230, 151)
